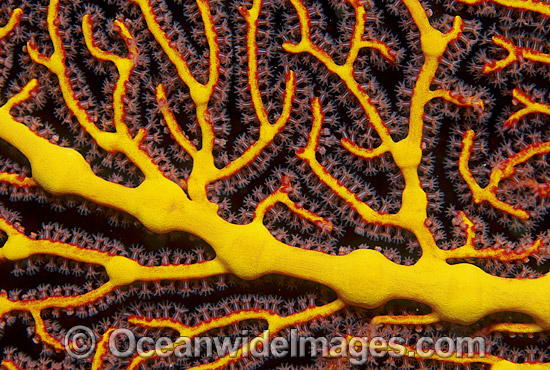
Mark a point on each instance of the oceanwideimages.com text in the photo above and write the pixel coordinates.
(123, 343)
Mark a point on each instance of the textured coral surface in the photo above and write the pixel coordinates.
(337, 168)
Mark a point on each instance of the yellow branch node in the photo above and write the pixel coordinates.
(111, 142)
(531, 107)
(56, 64)
(488, 194)
(468, 249)
(345, 71)
(307, 154)
(267, 130)
(281, 196)
(123, 65)
(515, 54)
(200, 93)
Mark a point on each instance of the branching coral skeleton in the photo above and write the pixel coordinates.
(251, 251)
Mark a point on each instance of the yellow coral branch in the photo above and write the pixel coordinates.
(14, 20)
(488, 194)
(281, 196)
(515, 54)
(24, 94)
(123, 65)
(175, 129)
(119, 141)
(434, 44)
(364, 153)
(10, 365)
(345, 71)
(17, 180)
(200, 93)
(459, 100)
(406, 153)
(204, 172)
(267, 130)
(430, 318)
(530, 107)
(456, 355)
(102, 350)
(517, 328)
(66, 172)
(42, 332)
(121, 270)
(203, 161)
(307, 154)
(56, 64)
(274, 321)
(38, 305)
(468, 249)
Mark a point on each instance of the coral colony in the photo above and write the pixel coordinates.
(261, 170)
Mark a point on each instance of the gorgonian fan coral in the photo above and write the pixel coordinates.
(339, 168)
